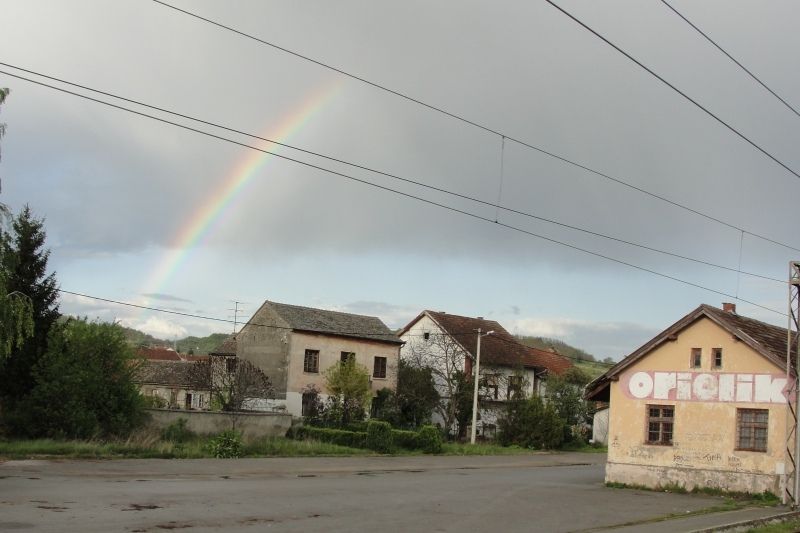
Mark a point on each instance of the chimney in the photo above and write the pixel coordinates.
(729, 307)
(480, 318)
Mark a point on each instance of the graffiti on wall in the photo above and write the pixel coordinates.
(705, 387)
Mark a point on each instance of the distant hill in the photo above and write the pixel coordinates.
(582, 359)
(197, 345)
(545, 343)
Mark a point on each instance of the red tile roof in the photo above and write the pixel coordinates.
(166, 354)
(499, 348)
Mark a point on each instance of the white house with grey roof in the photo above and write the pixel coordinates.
(294, 346)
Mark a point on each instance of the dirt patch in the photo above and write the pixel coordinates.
(142, 507)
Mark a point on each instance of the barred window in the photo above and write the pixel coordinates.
(346, 356)
(752, 426)
(660, 424)
(311, 361)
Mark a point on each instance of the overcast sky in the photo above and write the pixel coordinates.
(144, 212)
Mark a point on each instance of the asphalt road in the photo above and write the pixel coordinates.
(547, 492)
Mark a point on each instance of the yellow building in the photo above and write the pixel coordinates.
(703, 404)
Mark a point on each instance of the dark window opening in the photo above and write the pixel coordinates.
(426, 336)
(346, 356)
(752, 426)
(230, 365)
(379, 370)
(660, 424)
(514, 387)
(311, 361)
(697, 357)
(490, 383)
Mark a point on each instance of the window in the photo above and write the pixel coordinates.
(697, 357)
(660, 420)
(230, 365)
(490, 383)
(716, 355)
(514, 387)
(752, 426)
(347, 355)
(379, 370)
(426, 336)
(311, 361)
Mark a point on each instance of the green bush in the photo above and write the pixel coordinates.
(405, 439)
(531, 424)
(226, 445)
(379, 436)
(352, 439)
(177, 432)
(429, 439)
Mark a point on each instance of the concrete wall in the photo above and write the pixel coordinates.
(212, 422)
(266, 347)
(600, 426)
(703, 450)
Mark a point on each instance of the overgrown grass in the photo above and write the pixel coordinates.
(146, 445)
(790, 526)
(457, 448)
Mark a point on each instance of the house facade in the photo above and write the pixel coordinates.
(448, 343)
(295, 345)
(167, 383)
(703, 404)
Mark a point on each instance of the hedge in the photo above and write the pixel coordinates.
(379, 437)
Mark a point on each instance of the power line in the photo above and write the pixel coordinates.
(288, 328)
(483, 127)
(401, 193)
(674, 88)
(497, 205)
(709, 39)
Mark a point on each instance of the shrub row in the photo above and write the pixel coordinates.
(379, 436)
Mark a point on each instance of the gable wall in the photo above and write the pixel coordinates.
(266, 347)
(704, 440)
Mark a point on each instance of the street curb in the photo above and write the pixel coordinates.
(749, 524)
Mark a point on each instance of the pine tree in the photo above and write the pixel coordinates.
(24, 261)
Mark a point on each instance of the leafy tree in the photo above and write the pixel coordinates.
(24, 264)
(530, 423)
(83, 385)
(349, 390)
(566, 398)
(16, 321)
(234, 384)
(462, 402)
(416, 395)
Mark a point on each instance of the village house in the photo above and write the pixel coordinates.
(702, 404)
(448, 343)
(295, 345)
(168, 384)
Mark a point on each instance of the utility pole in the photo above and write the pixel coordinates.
(475, 388)
(236, 310)
(791, 493)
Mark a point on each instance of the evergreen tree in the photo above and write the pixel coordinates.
(24, 263)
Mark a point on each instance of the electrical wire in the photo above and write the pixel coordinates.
(497, 205)
(401, 193)
(718, 47)
(483, 127)
(674, 88)
(288, 328)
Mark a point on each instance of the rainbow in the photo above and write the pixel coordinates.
(212, 211)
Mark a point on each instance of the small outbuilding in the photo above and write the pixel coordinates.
(703, 404)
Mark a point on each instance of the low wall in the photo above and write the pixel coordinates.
(212, 422)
